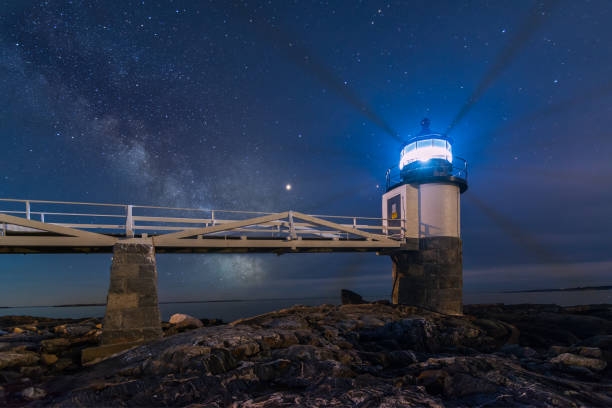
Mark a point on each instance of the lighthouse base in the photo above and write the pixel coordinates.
(431, 278)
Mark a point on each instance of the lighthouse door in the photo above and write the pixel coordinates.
(394, 211)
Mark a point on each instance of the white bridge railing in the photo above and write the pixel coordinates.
(130, 220)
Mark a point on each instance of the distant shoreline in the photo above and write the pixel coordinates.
(175, 302)
(576, 289)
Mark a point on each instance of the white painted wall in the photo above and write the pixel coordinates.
(439, 210)
(410, 208)
(430, 210)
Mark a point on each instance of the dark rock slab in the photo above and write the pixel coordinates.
(349, 355)
(351, 298)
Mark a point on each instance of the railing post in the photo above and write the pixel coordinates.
(355, 222)
(212, 217)
(129, 222)
(42, 217)
(27, 210)
(291, 226)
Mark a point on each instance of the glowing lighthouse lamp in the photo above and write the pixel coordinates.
(422, 202)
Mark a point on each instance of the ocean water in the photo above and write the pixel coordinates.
(569, 298)
(233, 310)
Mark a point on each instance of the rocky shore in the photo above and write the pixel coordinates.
(366, 355)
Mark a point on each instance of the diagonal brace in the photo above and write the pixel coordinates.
(329, 224)
(219, 228)
(47, 227)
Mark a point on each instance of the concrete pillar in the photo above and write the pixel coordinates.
(432, 277)
(132, 312)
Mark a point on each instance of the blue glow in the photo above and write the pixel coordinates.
(426, 149)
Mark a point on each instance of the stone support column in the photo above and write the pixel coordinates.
(432, 277)
(132, 312)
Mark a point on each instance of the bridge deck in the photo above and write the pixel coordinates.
(64, 227)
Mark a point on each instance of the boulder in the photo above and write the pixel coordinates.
(55, 345)
(9, 359)
(434, 381)
(33, 393)
(580, 361)
(31, 371)
(63, 363)
(23, 347)
(184, 320)
(48, 359)
(593, 352)
(351, 298)
(495, 329)
(77, 330)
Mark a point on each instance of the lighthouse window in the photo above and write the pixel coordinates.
(424, 150)
(421, 144)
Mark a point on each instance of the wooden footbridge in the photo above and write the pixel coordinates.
(36, 226)
(134, 234)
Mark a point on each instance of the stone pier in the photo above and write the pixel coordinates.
(432, 277)
(132, 313)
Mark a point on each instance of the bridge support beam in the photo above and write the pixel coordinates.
(132, 312)
(432, 277)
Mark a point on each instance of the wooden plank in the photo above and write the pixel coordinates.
(90, 226)
(172, 219)
(254, 243)
(197, 220)
(300, 227)
(37, 241)
(9, 219)
(168, 228)
(270, 224)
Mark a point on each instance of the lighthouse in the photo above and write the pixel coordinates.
(422, 201)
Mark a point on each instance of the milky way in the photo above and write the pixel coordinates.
(224, 104)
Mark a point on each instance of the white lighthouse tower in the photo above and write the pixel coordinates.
(423, 202)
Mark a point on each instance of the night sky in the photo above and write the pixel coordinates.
(221, 104)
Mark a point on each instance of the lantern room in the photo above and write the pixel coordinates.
(426, 146)
(426, 158)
